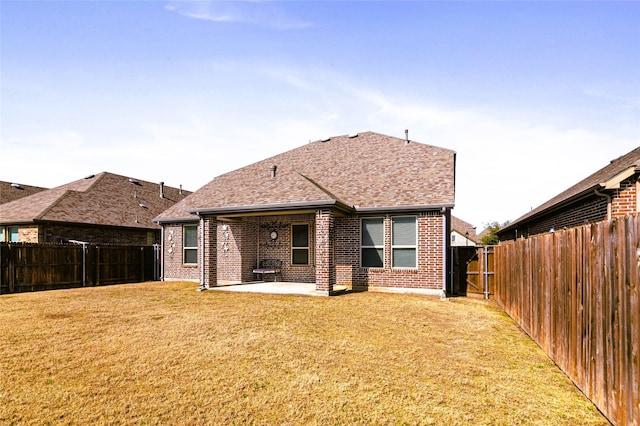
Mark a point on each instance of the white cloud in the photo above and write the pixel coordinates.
(507, 163)
(262, 13)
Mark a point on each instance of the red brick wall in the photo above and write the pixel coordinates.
(324, 256)
(428, 275)
(281, 247)
(241, 245)
(625, 199)
(588, 210)
(237, 249)
(174, 269)
(209, 255)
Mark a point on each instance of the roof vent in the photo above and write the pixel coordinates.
(406, 136)
(143, 206)
(90, 177)
(325, 140)
(353, 135)
(134, 181)
(161, 189)
(16, 186)
(273, 171)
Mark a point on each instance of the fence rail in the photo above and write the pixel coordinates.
(575, 292)
(35, 267)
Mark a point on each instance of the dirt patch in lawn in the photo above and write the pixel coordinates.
(162, 353)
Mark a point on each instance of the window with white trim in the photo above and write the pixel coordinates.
(300, 244)
(404, 236)
(372, 242)
(190, 244)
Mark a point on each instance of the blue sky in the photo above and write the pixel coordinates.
(533, 96)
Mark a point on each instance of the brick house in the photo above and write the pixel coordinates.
(608, 193)
(462, 233)
(363, 211)
(100, 209)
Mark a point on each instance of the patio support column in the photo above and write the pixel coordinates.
(209, 256)
(325, 262)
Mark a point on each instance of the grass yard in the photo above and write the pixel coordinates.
(162, 353)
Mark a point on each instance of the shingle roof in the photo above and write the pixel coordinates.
(10, 191)
(368, 171)
(462, 227)
(587, 185)
(103, 199)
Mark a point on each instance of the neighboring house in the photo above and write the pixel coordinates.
(608, 193)
(10, 191)
(462, 233)
(101, 209)
(361, 211)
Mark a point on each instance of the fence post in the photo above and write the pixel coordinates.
(84, 264)
(11, 268)
(156, 262)
(142, 264)
(97, 266)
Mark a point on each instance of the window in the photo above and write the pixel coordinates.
(190, 244)
(1, 233)
(403, 242)
(300, 244)
(372, 243)
(13, 234)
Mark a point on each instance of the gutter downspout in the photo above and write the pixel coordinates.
(608, 197)
(444, 252)
(161, 253)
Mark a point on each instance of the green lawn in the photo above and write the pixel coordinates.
(163, 353)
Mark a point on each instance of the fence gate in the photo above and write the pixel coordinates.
(473, 271)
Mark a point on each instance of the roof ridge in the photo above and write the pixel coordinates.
(320, 187)
(54, 203)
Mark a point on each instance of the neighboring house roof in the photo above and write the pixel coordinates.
(462, 227)
(10, 191)
(609, 177)
(363, 172)
(102, 199)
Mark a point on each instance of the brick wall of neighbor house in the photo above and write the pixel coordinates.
(28, 233)
(625, 200)
(54, 233)
(428, 275)
(591, 209)
(174, 268)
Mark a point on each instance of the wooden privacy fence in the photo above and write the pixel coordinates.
(575, 292)
(34, 267)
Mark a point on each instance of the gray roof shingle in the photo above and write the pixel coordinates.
(368, 171)
(14, 191)
(589, 184)
(103, 199)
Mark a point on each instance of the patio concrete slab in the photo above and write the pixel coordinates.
(308, 289)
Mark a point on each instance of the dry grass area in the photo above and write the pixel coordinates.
(162, 353)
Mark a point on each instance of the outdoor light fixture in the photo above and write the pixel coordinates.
(274, 235)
